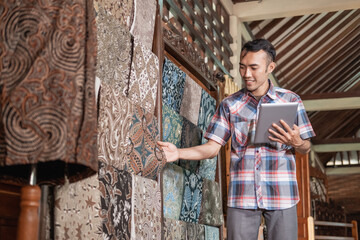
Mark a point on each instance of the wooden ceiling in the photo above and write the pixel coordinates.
(318, 56)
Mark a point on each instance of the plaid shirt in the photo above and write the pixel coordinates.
(261, 176)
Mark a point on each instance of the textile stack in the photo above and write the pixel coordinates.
(122, 201)
(191, 196)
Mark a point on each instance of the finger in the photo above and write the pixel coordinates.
(163, 144)
(278, 135)
(286, 126)
(276, 139)
(279, 129)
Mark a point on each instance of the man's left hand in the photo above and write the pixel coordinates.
(289, 136)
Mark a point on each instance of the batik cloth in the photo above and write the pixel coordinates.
(174, 229)
(173, 189)
(212, 233)
(172, 125)
(114, 52)
(144, 155)
(144, 21)
(47, 78)
(144, 77)
(195, 231)
(173, 82)
(207, 167)
(211, 205)
(115, 118)
(190, 104)
(77, 208)
(146, 209)
(192, 197)
(207, 110)
(262, 176)
(190, 136)
(122, 11)
(115, 187)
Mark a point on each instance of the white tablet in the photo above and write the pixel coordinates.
(270, 113)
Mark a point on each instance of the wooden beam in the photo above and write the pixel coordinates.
(331, 171)
(335, 140)
(336, 147)
(331, 104)
(251, 11)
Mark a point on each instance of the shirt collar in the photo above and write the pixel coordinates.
(270, 93)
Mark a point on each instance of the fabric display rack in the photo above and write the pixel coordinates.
(121, 187)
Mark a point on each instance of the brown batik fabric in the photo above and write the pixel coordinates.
(114, 51)
(190, 104)
(144, 21)
(77, 207)
(211, 205)
(47, 78)
(116, 187)
(144, 155)
(195, 231)
(174, 229)
(122, 11)
(146, 209)
(144, 77)
(115, 117)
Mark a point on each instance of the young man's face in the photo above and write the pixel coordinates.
(255, 69)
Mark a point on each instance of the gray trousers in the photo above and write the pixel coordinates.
(243, 224)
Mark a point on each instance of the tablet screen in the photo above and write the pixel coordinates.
(270, 113)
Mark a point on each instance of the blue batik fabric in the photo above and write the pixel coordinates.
(191, 203)
(212, 233)
(173, 82)
(172, 125)
(173, 189)
(207, 110)
(190, 137)
(207, 168)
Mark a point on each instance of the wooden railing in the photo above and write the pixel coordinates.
(312, 224)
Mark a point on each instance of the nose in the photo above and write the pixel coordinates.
(247, 73)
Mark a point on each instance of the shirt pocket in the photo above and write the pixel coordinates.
(241, 132)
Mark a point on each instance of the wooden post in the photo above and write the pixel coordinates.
(29, 216)
(311, 228)
(354, 230)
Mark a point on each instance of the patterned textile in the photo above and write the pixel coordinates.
(190, 208)
(272, 169)
(144, 77)
(113, 41)
(173, 189)
(207, 168)
(146, 209)
(144, 156)
(115, 117)
(47, 77)
(195, 231)
(122, 11)
(144, 21)
(172, 125)
(190, 137)
(174, 229)
(207, 110)
(212, 233)
(211, 205)
(115, 187)
(190, 104)
(77, 208)
(173, 82)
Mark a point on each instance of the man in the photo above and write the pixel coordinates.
(262, 177)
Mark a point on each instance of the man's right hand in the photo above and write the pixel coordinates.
(171, 151)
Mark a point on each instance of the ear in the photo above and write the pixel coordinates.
(271, 67)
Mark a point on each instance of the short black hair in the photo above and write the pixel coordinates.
(260, 44)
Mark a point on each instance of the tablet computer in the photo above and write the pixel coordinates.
(270, 113)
